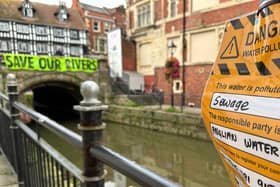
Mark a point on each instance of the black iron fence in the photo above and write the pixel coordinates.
(38, 164)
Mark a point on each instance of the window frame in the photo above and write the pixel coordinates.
(28, 46)
(4, 26)
(144, 15)
(38, 30)
(98, 26)
(8, 45)
(22, 28)
(172, 8)
(77, 37)
(39, 46)
(73, 52)
(56, 31)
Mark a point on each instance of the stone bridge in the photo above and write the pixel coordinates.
(54, 92)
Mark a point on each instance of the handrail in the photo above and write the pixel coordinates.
(92, 128)
(131, 169)
(53, 126)
(2, 96)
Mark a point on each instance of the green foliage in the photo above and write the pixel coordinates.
(132, 104)
(171, 109)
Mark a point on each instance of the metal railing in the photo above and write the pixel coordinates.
(38, 164)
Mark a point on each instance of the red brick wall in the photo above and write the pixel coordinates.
(149, 82)
(215, 16)
(195, 80)
(158, 10)
(129, 55)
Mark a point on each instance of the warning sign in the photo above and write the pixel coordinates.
(241, 101)
(231, 50)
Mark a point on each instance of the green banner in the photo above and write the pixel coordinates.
(48, 63)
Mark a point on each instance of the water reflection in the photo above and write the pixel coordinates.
(189, 162)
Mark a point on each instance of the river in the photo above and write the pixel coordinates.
(189, 162)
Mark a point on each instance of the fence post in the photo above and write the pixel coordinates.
(14, 113)
(92, 127)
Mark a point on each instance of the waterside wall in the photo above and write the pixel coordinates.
(184, 124)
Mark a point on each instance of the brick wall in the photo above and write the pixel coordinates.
(195, 80)
(129, 55)
(216, 16)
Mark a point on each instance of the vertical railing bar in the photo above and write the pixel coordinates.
(74, 181)
(39, 161)
(44, 167)
(33, 167)
(27, 156)
(57, 173)
(49, 171)
(53, 171)
(23, 158)
(68, 178)
(36, 169)
(62, 175)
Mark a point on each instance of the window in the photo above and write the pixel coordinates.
(27, 9)
(107, 26)
(96, 26)
(22, 28)
(143, 15)
(198, 47)
(177, 86)
(58, 49)
(203, 4)
(41, 30)
(173, 8)
(57, 32)
(102, 45)
(4, 26)
(74, 34)
(75, 51)
(5, 45)
(23, 47)
(42, 48)
(62, 15)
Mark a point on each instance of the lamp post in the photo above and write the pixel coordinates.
(171, 47)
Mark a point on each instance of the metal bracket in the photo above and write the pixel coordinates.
(265, 4)
(92, 128)
(95, 179)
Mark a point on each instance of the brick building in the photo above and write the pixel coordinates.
(155, 23)
(41, 29)
(99, 22)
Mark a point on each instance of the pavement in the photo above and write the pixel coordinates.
(7, 177)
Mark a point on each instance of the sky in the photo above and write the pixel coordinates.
(98, 3)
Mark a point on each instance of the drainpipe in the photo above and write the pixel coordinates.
(184, 46)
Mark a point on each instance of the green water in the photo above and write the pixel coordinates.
(191, 163)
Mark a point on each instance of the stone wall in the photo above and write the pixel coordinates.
(186, 124)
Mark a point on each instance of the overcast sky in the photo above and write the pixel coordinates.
(98, 3)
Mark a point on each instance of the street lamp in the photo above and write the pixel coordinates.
(171, 48)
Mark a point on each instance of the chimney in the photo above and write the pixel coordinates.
(76, 4)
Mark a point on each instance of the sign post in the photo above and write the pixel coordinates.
(241, 101)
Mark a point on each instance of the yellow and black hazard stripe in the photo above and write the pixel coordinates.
(237, 24)
(242, 68)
